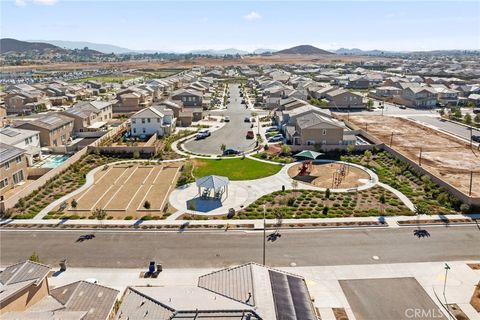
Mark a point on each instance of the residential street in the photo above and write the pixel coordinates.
(217, 249)
(233, 134)
(447, 126)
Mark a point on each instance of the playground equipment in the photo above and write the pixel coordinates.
(306, 168)
(339, 175)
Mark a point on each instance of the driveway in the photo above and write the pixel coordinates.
(233, 134)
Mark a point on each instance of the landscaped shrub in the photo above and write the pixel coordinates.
(128, 218)
(146, 218)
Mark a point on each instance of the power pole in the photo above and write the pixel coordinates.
(420, 158)
(447, 267)
(471, 182)
(391, 139)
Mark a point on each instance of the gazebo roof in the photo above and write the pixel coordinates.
(308, 154)
(212, 182)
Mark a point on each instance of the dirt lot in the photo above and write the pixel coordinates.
(445, 156)
(155, 64)
(122, 190)
(321, 175)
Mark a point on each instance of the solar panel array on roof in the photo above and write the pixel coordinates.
(290, 296)
(10, 133)
(51, 120)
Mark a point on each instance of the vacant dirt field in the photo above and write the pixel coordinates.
(445, 156)
(121, 190)
(156, 64)
(321, 175)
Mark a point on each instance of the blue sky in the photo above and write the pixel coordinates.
(183, 26)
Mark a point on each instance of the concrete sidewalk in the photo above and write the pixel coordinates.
(323, 282)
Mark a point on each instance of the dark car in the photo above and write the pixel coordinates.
(230, 151)
(247, 119)
(250, 134)
(476, 138)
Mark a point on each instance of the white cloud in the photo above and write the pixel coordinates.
(20, 3)
(46, 2)
(252, 16)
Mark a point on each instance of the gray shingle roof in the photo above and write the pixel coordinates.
(8, 152)
(96, 300)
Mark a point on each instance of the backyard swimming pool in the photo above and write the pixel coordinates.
(51, 161)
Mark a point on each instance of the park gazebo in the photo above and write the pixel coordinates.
(217, 184)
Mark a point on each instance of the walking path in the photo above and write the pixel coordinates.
(400, 195)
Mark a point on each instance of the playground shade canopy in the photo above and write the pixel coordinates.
(308, 154)
(212, 182)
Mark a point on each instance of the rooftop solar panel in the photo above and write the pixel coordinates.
(10, 133)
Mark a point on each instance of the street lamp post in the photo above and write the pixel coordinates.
(447, 267)
(264, 234)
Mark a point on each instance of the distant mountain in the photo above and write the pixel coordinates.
(262, 51)
(229, 51)
(101, 47)
(17, 46)
(304, 49)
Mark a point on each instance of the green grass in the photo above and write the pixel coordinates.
(106, 78)
(234, 169)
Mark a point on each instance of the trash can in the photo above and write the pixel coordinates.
(63, 265)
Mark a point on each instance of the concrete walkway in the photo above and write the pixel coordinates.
(243, 193)
(408, 203)
(89, 181)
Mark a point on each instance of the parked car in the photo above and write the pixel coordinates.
(247, 119)
(272, 129)
(476, 110)
(230, 151)
(476, 138)
(276, 138)
(226, 119)
(403, 107)
(202, 134)
(250, 134)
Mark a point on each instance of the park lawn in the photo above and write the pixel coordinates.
(105, 78)
(234, 169)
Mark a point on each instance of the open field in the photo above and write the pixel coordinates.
(321, 175)
(122, 190)
(155, 64)
(234, 169)
(119, 78)
(444, 156)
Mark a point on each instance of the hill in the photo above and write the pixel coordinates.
(13, 45)
(101, 47)
(303, 49)
(229, 51)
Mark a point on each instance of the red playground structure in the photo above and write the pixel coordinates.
(305, 168)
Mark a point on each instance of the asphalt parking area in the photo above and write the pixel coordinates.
(390, 299)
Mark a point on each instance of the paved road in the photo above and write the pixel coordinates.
(451, 127)
(233, 134)
(219, 249)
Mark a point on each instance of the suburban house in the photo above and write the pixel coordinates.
(189, 97)
(152, 120)
(13, 167)
(419, 97)
(184, 116)
(26, 295)
(55, 129)
(28, 140)
(25, 102)
(313, 129)
(341, 98)
(90, 115)
(133, 99)
(386, 92)
(360, 82)
(445, 95)
(22, 286)
(249, 291)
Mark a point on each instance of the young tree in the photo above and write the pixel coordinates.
(34, 257)
(223, 147)
(382, 198)
(99, 214)
(136, 155)
(457, 114)
(294, 184)
(467, 118)
(477, 118)
(442, 112)
(286, 150)
(368, 156)
(147, 205)
(74, 204)
(370, 104)
(327, 193)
